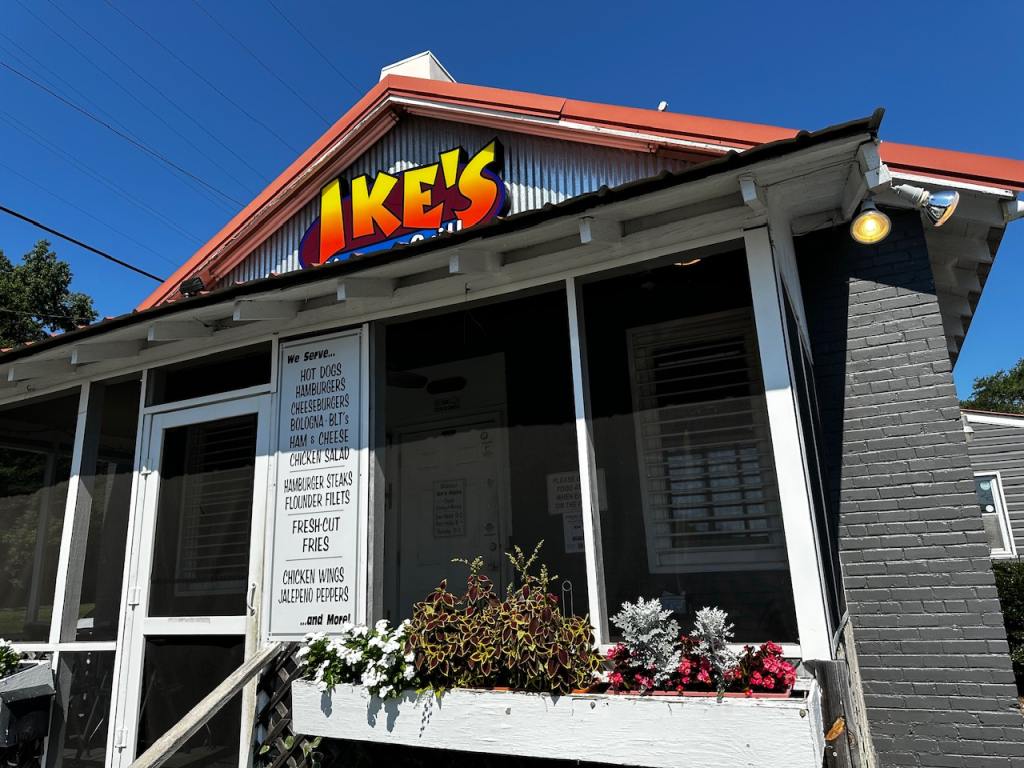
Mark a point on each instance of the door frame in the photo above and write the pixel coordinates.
(136, 625)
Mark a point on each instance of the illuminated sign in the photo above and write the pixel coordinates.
(457, 192)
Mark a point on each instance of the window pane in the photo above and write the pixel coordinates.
(110, 478)
(690, 510)
(177, 673)
(78, 733)
(211, 375)
(481, 447)
(990, 502)
(204, 515)
(36, 440)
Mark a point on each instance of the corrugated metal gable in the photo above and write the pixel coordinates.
(537, 171)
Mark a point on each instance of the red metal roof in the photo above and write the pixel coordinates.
(603, 124)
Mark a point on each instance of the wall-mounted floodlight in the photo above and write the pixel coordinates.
(870, 225)
(937, 206)
(191, 287)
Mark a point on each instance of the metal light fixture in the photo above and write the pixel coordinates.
(937, 206)
(193, 286)
(870, 225)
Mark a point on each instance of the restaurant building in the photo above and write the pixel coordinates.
(702, 360)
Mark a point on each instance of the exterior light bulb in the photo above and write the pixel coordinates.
(870, 225)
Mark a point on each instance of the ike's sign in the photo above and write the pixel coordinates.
(457, 192)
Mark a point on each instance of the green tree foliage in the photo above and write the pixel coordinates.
(1003, 391)
(36, 297)
(1010, 584)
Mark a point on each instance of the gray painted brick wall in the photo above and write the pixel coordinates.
(927, 626)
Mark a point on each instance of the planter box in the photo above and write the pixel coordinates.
(34, 678)
(624, 730)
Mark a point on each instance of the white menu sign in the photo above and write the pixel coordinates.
(316, 524)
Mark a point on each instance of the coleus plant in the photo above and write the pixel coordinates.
(476, 639)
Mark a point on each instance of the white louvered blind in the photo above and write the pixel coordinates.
(213, 546)
(704, 450)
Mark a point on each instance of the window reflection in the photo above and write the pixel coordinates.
(108, 480)
(481, 447)
(78, 733)
(690, 511)
(35, 462)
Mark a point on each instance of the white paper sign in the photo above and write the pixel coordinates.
(316, 525)
(572, 530)
(565, 497)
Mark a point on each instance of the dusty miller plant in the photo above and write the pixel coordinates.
(651, 637)
(712, 634)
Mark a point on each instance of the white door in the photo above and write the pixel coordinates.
(195, 574)
(451, 499)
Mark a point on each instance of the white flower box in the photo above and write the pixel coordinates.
(626, 730)
(32, 679)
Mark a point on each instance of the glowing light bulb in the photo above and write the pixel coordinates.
(870, 225)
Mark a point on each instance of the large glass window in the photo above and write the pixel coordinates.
(690, 510)
(106, 489)
(481, 447)
(36, 440)
(78, 733)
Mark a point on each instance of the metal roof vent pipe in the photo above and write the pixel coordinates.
(423, 65)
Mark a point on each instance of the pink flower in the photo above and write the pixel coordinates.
(768, 682)
(615, 678)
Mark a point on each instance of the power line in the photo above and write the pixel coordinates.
(45, 315)
(127, 137)
(313, 45)
(78, 208)
(79, 243)
(185, 113)
(195, 72)
(260, 61)
(93, 173)
(52, 30)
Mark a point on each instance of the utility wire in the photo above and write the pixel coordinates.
(199, 75)
(52, 30)
(45, 315)
(89, 171)
(21, 55)
(260, 61)
(127, 137)
(185, 113)
(79, 243)
(78, 208)
(312, 45)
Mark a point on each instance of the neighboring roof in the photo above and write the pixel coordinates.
(1002, 414)
(731, 161)
(624, 127)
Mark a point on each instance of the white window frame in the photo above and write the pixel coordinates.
(1002, 515)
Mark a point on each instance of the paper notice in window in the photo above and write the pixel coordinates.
(565, 496)
(572, 529)
(449, 508)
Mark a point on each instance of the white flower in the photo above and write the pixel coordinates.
(381, 626)
(410, 657)
(303, 652)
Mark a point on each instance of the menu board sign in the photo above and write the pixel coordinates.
(316, 525)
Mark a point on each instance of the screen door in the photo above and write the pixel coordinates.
(196, 567)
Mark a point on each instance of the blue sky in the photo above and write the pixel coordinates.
(946, 78)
